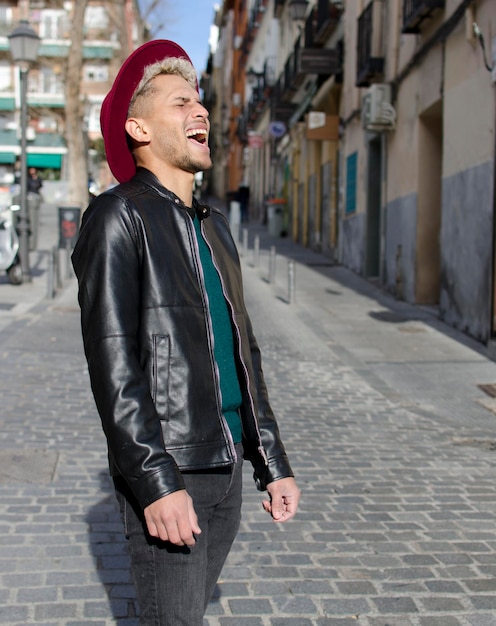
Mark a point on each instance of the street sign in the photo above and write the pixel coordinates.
(277, 129)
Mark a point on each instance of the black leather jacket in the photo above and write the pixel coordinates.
(148, 341)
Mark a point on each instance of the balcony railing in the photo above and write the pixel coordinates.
(326, 18)
(370, 59)
(306, 59)
(416, 11)
(242, 127)
(280, 110)
(304, 62)
(6, 28)
(278, 7)
(254, 21)
(262, 86)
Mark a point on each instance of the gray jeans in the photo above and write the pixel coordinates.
(174, 584)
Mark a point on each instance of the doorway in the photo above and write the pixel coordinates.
(374, 201)
(430, 167)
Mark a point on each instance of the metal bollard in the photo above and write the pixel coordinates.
(245, 241)
(58, 267)
(51, 275)
(272, 264)
(235, 233)
(68, 266)
(256, 251)
(54, 279)
(291, 281)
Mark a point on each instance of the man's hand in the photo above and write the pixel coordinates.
(173, 518)
(284, 497)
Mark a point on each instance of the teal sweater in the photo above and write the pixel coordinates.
(223, 339)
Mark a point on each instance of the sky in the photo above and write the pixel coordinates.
(188, 23)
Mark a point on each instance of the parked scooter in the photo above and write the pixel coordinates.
(9, 246)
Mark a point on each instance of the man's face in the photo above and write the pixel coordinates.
(178, 125)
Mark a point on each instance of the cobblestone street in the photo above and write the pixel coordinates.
(392, 441)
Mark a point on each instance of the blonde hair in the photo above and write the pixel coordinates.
(170, 65)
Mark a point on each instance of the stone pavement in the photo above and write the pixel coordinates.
(391, 437)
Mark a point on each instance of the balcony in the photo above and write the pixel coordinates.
(47, 100)
(370, 55)
(280, 110)
(254, 21)
(416, 11)
(6, 27)
(308, 59)
(326, 19)
(304, 62)
(262, 85)
(278, 7)
(91, 49)
(242, 127)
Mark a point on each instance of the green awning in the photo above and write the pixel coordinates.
(7, 157)
(7, 104)
(44, 160)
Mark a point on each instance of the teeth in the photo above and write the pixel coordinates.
(195, 132)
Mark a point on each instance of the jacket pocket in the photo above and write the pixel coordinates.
(160, 375)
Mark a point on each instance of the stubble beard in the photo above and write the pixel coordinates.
(193, 166)
(184, 161)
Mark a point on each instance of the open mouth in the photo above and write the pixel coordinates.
(199, 135)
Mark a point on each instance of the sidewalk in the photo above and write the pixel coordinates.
(391, 438)
(16, 301)
(405, 351)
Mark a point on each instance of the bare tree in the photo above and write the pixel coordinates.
(143, 13)
(74, 111)
(152, 14)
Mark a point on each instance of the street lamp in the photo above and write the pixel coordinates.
(298, 9)
(24, 44)
(254, 77)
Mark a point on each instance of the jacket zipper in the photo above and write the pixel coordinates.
(211, 342)
(261, 449)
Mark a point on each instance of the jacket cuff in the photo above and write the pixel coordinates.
(156, 485)
(277, 468)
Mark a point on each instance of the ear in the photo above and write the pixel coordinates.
(136, 129)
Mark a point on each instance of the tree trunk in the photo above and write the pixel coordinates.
(76, 136)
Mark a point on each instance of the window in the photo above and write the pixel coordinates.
(95, 73)
(95, 17)
(51, 24)
(50, 82)
(5, 76)
(351, 182)
(6, 16)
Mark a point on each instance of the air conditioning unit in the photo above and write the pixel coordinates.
(377, 111)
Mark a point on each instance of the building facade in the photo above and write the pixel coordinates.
(110, 31)
(418, 160)
(373, 122)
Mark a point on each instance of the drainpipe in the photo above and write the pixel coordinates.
(384, 198)
(493, 289)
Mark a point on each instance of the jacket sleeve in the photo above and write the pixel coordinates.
(271, 462)
(107, 263)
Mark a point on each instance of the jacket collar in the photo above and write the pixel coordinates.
(148, 178)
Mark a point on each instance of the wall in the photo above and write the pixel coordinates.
(466, 250)
(351, 242)
(400, 246)
(467, 220)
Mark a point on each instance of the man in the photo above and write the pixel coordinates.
(174, 367)
(34, 181)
